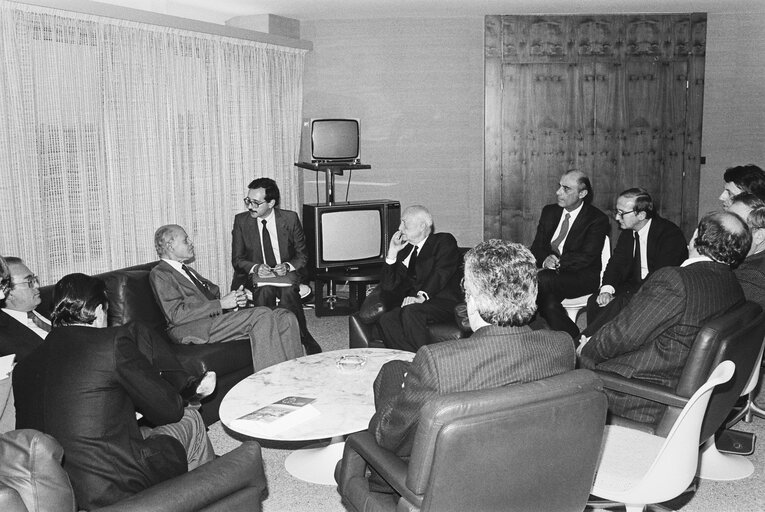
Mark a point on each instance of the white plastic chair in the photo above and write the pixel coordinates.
(750, 409)
(573, 306)
(637, 468)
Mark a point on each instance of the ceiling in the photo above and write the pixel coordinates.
(218, 11)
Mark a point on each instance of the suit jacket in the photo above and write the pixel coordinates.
(83, 386)
(651, 337)
(493, 356)
(437, 267)
(16, 338)
(751, 277)
(584, 243)
(246, 249)
(665, 247)
(180, 300)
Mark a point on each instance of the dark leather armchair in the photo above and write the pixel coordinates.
(523, 447)
(32, 479)
(737, 336)
(132, 299)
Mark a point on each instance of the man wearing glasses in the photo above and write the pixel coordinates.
(268, 242)
(22, 329)
(647, 243)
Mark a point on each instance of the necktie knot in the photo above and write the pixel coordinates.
(37, 321)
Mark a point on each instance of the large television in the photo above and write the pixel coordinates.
(349, 235)
(331, 140)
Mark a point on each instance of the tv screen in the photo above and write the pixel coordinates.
(351, 235)
(334, 139)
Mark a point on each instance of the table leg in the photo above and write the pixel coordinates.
(316, 465)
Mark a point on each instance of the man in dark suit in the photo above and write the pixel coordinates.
(420, 281)
(267, 241)
(83, 386)
(751, 272)
(22, 329)
(647, 243)
(742, 179)
(650, 338)
(195, 310)
(500, 290)
(567, 247)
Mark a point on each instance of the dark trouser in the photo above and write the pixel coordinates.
(556, 286)
(156, 349)
(598, 316)
(289, 298)
(406, 328)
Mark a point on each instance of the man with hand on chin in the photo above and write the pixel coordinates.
(420, 281)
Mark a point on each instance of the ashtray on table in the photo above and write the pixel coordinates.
(351, 363)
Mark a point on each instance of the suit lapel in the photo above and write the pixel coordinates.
(253, 233)
(281, 235)
(577, 226)
(182, 279)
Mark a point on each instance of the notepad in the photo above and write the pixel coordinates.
(278, 416)
(6, 365)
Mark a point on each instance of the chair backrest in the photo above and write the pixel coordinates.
(711, 346)
(530, 446)
(675, 466)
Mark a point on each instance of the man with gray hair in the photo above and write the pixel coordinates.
(195, 310)
(650, 338)
(500, 290)
(420, 281)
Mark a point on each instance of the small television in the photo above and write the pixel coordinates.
(332, 140)
(349, 235)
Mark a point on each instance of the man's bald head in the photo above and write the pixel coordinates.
(723, 237)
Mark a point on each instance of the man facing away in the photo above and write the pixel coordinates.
(420, 281)
(567, 247)
(83, 386)
(267, 241)
(196, 313)
(650, 338)
(647, 243)
(500, 291)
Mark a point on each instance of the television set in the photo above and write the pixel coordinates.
(332, 140)
(349, 235)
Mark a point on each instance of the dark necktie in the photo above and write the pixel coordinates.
(199, 284)
(268, 249)
(563, 232)
(38, 321)
(411, 271)
(637, 270)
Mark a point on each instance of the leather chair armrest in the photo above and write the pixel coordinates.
(361, 449)
(372, 308)
(238, 470)
(660, 394)
(10, 500)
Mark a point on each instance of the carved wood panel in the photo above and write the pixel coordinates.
(618, 97)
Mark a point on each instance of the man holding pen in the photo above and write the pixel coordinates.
(268, 242)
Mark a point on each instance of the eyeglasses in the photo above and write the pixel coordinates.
(251, 202)
(31, 282)
(619, 213)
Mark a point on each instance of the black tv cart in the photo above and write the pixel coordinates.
(357, 279)
(330, 170)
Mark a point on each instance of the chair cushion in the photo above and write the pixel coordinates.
(30, 463)
(132, 299)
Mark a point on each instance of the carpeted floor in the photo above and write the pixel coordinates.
(288, 494)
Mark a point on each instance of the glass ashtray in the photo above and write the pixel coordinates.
(350, 363)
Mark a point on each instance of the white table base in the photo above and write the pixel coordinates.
(316, 465)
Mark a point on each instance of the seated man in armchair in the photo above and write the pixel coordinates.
(500, 289)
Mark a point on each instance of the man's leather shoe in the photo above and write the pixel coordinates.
(310, 344)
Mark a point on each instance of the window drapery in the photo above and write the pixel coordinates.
(110, 129)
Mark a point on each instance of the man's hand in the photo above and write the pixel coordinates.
(397, 242)
(552, 262)
(266, 271)
(234, 299)
(412, 300)
(604, 298)
(281, 269)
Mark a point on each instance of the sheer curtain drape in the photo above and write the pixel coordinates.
(109, 129)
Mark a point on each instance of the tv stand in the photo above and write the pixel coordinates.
(330, 170)
(358, 279)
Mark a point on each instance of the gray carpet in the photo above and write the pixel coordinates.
(288, 494)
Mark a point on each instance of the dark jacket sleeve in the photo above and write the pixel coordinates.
(153, 397)
(239, 256)
(540, 247)
(621, 260)
(395, 421)
(297, 255)
(583, 249)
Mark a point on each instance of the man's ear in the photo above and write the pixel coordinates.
(583, 193)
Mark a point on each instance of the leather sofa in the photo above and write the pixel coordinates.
(363, 331)
(132, 299)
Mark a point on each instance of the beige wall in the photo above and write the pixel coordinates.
(417, 86)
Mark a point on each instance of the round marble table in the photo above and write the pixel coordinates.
(344, 400)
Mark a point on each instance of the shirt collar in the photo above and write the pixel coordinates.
(696, 259)
(177, 265)
(573, 213)
(643, 232)
(20, 316)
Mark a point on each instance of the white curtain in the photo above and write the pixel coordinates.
(110, 129)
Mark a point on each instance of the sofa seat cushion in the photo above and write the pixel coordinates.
(30, 463)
